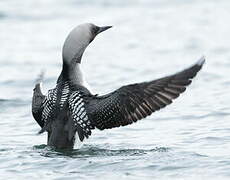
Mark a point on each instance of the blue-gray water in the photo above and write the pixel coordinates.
(189, 139)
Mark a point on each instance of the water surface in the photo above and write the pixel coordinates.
(190, 139)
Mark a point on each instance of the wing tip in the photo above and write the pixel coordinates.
(41, 131)
(40, 77)
(201, 61)
(38, 82)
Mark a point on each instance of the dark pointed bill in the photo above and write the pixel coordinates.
(103, 28)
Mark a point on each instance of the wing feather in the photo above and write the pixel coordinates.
(133, 102)
(38, 100)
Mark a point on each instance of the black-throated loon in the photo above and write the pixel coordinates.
(70, 108)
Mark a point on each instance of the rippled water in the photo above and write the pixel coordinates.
(150, 38)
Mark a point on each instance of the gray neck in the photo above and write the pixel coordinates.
(72, 73)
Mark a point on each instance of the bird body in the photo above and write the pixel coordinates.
(71, 111)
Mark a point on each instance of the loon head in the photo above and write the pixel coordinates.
(77, 41)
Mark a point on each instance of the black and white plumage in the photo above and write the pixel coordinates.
(80, 117)
(70, 108)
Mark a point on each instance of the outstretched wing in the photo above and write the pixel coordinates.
(42, 105)
(38, 101)
(136, 101)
